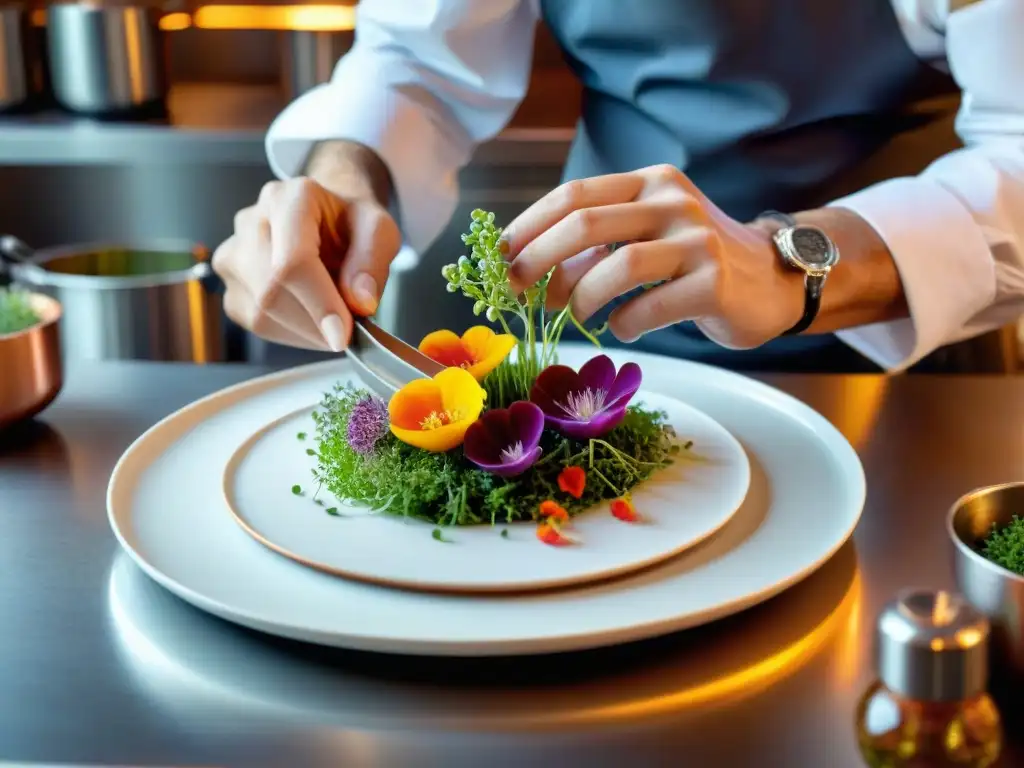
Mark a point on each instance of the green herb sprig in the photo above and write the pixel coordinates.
(483, 277)
(1005, 546)
(16, 313)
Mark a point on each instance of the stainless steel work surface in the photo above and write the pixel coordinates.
(98, 665)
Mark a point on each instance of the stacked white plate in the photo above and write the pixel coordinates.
(204, 503)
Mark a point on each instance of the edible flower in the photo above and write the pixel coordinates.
(587, 404)
(572, 480)
(367, 424)
(434, 414)
(480, 350)
(551, 534)
(623, 509)
(552, 510)
(505, 441)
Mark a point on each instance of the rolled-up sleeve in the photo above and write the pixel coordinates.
(956, 232)
(423, 84)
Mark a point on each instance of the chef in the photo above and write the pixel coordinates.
(736, 157)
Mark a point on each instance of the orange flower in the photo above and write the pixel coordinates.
(551, 535)
(624, 510)
(551, 510)
(480, 350)
(434, 414)
(572, 480)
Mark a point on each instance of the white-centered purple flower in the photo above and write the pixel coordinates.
(589, 403)
(505, 441)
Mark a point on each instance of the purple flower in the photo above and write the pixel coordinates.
(504, 441)
(587, 404)
(367, 424)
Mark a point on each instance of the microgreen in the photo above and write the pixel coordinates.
(446, 489)
(301, 436)
(333, 511)
(483, 277)
(438, 535)
(16, 314)
(297, 490)
(504, 533)
(1005, 546)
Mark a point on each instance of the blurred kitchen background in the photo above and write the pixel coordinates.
(142, 126)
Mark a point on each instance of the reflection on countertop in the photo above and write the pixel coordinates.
(191, 663)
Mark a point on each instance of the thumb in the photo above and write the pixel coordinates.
(375, 240)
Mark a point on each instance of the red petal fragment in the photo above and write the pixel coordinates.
(551, 510)
(551, 536)
(572, 480)
(624, 510)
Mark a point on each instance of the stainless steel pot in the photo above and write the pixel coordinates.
(31, 374)
(145, 301)
(107, 60)
(310, 58)
(15, 64)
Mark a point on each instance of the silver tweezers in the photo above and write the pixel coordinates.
(383, 361)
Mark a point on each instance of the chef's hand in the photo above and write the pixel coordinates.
(723, 274)
(312, 251)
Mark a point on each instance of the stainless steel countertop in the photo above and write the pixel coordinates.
(99, 665)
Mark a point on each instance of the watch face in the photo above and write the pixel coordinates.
(812, 246)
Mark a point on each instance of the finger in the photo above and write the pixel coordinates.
(569, 272)
(690, 297)
(243, 261)
(239, 307)
(295, 223)
(375, 243)
(637, 264)
(563, 200)
(590, 227)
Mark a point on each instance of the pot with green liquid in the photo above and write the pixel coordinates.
(140, 301)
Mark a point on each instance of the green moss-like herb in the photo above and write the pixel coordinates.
(445, 489)
(16, 313)
(1005, 546)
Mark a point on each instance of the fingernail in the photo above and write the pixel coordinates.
(503, 245)
(364, 287)
(333, 330)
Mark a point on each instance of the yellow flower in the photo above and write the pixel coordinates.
(434, 414)
(480, 350)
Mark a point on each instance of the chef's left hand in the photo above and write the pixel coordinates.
(723, 274)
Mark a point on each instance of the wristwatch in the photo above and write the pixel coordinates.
(809, 250)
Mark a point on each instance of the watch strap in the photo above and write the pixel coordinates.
(812, 303)
(783, 218)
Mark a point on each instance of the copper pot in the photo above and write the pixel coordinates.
(31, 374)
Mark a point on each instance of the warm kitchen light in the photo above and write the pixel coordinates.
(298, 18)
(302, 18)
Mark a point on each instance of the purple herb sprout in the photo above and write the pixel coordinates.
(367, 424)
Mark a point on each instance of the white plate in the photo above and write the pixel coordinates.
(681, 506)
(166, 507)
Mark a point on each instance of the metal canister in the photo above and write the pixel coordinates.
(107, 60)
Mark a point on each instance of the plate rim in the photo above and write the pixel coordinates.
(443, 588)
(569, 641)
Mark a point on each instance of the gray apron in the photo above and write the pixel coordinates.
(765, 104)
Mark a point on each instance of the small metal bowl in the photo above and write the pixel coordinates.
(993, 590)
(31, 372)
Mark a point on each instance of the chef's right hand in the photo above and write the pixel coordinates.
(304, 258)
